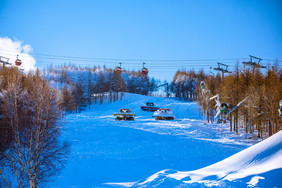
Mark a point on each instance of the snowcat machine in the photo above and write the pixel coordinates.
(149, 107)
(163, 114)
(124, 114)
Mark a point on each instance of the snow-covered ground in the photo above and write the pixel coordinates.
(106, 153)
(262, 161)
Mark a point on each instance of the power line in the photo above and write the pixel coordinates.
(159, 63)
(151, 65)
(123, 59)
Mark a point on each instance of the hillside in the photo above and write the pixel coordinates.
(259, 165)
(105, 150)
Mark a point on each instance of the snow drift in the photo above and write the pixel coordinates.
(259, 165)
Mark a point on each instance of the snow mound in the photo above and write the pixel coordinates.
(259, 165)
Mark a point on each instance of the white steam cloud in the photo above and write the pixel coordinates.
(11, 48)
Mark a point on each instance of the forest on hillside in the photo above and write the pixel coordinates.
(259, 93)
(82, 86)
(258, 114)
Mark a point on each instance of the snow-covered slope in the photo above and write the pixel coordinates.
(259, 165)
(104, 150)
(188, 119)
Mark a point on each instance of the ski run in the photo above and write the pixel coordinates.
(145, 152)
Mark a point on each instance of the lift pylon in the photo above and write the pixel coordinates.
(222, 68)
(4, 61)
(254, 63)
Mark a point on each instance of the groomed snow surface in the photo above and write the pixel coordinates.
(184, 152)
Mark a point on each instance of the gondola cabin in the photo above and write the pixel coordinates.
(18, 62)
(145, 71)
(118, 70)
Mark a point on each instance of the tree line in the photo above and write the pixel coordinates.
(82, 86)
(184, 84)
(259, 112)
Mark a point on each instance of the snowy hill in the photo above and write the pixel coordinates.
(259, 165)
(188, 119)
(104, 150)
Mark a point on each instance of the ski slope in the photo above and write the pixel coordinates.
(107, 153)
(262, 161)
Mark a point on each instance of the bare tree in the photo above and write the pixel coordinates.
(67, 100)
(31, 108)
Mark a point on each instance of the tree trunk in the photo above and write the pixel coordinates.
(32, 182)
(269, 128)
(237, 122)
(231, 118)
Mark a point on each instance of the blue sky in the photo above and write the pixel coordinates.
(131, 32)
